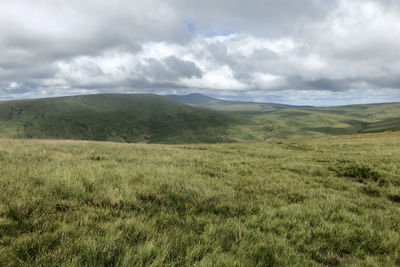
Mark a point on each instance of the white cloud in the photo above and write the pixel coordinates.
(267, 81)
(221, 78)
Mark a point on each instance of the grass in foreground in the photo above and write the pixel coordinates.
(319, 201)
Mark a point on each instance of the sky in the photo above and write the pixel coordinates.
(304, 52)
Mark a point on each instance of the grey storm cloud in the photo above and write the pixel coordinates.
(323, 52)
(170, 68)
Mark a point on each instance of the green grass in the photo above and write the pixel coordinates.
(315, 201)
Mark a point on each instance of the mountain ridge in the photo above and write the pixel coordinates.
(201, 100)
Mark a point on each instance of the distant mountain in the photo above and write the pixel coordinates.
(113, 117)
(201, 100)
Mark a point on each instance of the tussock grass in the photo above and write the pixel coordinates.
(318, 201)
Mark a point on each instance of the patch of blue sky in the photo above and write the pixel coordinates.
(220, 32)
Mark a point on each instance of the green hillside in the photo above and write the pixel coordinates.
(112, 117)
(323, 201)
(201, 100)
(286, 123)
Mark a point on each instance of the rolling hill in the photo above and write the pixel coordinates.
(160, 119)
(201, 100)
(113, 117)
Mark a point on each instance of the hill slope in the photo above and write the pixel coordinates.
(201, 100)
(117, 117)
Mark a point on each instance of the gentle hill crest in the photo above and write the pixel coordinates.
(200, 100)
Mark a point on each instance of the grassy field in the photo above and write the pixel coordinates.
(315, 201)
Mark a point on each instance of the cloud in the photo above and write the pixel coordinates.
(342, 51)
(170, 68)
